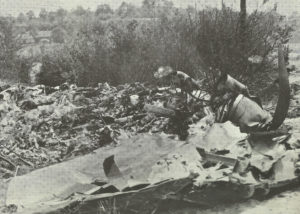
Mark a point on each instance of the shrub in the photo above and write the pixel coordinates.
(130, 50)
(219, 42)
(57, 67)
(7, 49)
(123, 48)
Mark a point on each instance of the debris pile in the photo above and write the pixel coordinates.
(42, 125)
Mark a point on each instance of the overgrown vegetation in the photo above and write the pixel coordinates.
(294, 21)
(130, 43)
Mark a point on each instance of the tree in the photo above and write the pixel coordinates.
(21, 18)
(243, 20)
(30, 14)
(148, 8)
(58, 35)
(243, 15)
(43, 14)
(155, 8)
(61, 12)
(149, 4)
(80, 11)
(191, 10)
(32, 29)
(126, 10)
(52, 16)
(103, 9)
(243, 29)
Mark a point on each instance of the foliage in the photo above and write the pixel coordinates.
(43, 14)
(103, 9)
(219, 42)
(58, 35)
(21, 18)
(30, 15)
(57, 67)
(130, 43)
(126, 10)
(294, 20)
(7, 49)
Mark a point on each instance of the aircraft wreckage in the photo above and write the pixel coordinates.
(234, 154)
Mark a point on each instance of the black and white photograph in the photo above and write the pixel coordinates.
(149, 106)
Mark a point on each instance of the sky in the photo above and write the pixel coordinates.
(14, 7)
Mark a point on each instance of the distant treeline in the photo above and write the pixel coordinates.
(128, 44)
(294, 21)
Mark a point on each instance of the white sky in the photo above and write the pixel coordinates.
(14, 7)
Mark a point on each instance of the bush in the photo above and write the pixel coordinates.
(220, 46)
(57, 67)
(130, 48)
(7, 49)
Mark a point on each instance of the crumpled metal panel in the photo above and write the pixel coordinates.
(247, 114)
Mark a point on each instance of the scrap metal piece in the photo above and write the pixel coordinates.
(248, 114)
(110, 167)
(226, 82)
(113, 173)
(233, 102)
(284, 93)
(177, 78)
(157, 110)
(217, 158)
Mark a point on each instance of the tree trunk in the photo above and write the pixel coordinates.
(243, 34)
(243, 14)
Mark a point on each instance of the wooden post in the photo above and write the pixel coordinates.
(243, 14)
(243, 34)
